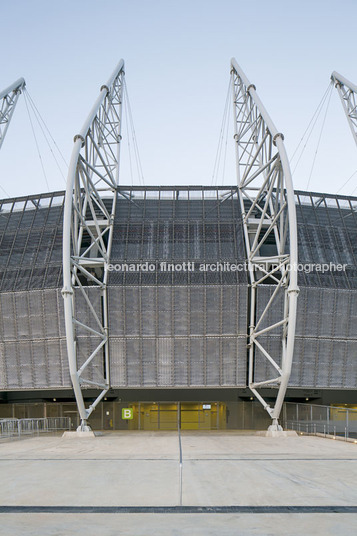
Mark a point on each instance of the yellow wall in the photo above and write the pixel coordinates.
(338, 413)
(163, 416)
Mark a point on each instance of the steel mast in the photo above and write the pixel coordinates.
(8, 101)
(89, 212)
(269, 219)
(348, 95)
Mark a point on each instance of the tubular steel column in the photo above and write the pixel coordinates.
(8, 101)
(348, 95)
(270, 231)
(87, 239)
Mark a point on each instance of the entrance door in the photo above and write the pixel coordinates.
(198, 416)
(195, 416)
(149, 416)
(168, 416)
(164, 416)
(161, 416)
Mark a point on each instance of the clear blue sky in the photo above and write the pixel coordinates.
(177, 56)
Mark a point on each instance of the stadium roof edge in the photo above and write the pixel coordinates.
(185, 187)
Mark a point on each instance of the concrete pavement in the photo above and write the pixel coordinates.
(142, 469)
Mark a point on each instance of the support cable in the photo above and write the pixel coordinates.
(43, 126)
(347, 181)
(133, 136)
(221, 136)
(319, 140)
(312, 122)
(226, 140)
(5, 192)
(36, 142)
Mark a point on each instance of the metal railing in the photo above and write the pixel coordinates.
(180, 462)
(15, 428)
(331, 421)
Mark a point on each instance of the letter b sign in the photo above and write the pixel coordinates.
(127, 413)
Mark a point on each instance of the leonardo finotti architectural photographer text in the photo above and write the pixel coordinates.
(192, 266)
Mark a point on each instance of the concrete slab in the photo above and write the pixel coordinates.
(142, 469)
(277, 433)
(177, 525)
(78, 434)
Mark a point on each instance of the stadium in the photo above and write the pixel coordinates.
(194, 306)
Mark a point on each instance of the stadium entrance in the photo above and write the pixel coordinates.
(168, 415)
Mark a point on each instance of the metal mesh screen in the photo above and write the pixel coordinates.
(176, 328)
(325, 353)
(33, 349)
(326, 339)
(178, 336)
(327, 233)
(31, 242)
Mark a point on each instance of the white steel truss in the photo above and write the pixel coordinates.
(270, 231)
(348, 95)
(8, 101)
(89, 212)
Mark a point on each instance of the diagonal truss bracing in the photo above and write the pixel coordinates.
(269, 219)
(348, 95)
(87, 240)
(8, 101)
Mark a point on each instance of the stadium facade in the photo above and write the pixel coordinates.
(177, 333)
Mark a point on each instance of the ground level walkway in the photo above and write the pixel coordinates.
(128, 483)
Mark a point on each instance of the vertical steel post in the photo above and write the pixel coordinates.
(348, 95)
(268, 209)
(8, 101)
(89, 213)
(347, 422)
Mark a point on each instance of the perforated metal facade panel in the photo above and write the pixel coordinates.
(178, 336)
(327, 232)
(31, 242)
(326, 339)
(176, 328)
(33, 351)
(326, 336)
